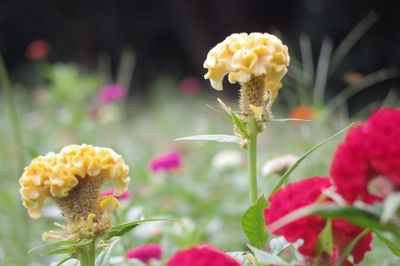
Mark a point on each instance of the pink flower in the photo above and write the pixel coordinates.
(111, 192)
(37, 49)
(145, 253)
(366, 166)
(201, 256)
(168, 162)
(190, 86)
(306, 192)
(111, 93)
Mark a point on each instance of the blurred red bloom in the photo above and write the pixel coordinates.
(303, 193)
(302, 112)
(37, 49)
(111, 93)
(145, 253)
(190, 86)
(167, 162)
(201, 256)
(111, 192)
(370, 151)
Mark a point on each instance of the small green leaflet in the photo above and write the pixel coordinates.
(325, 239)
(252, 223)
(266, 258)
(239, 124)
(215, 137)
(286, 175)
(122, 229)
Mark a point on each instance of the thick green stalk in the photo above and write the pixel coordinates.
(87, 254)
(252, 159)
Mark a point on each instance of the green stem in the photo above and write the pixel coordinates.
(12, 110)
(87, 255)
(252, 159)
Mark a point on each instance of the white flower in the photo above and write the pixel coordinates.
(278, 164)
(227, 159)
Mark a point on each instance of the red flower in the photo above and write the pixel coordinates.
(201, 256)
(37, 49)
(303, 193)
(145, 253)
(369, 151)
(168, 162)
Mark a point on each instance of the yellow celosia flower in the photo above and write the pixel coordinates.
(72, 178)
(258, 61)
(243, 55)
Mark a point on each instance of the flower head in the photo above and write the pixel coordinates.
(227, 159)
(37, 49)
(258, 61)
(244, 55)
(370, 152)
(166, 162)
(72, 178)
(303, 193)
(145, 253)
(201, 256)
(112, 93)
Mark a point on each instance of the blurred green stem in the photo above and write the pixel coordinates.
(87, 254)
(252, 158)
(6, 84)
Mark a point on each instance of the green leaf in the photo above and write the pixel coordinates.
(66, 250)
(395, 249)
(239, 124)
(103, 259)
(350, 247)
(122, 229)
(267, 258)
(61, 262)
(325, 239)
(286, 175)
(253, 224)
(390, 206)
(288, 120)
(68, 243)
(216, 137)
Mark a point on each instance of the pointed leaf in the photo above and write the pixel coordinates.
(267, 258)
(66, 250)
(286, 175)
(61, 262)
(216, 137)
(122, 229)
(325, 239)
(239, 124)
(253, 224)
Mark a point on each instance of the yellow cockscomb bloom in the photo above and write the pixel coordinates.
(72, 178)
(244, 55)
(258, 61)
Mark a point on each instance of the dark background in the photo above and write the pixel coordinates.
(173, 36)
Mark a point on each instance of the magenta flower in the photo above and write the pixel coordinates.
(190, 86)
(168, 162)
(112, 92)
(111, 192)
(145, 253)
